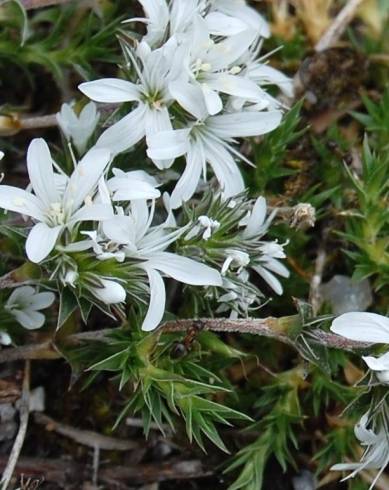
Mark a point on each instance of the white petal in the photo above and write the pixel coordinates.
(268, 74)
(125, 133)
(92, 212)
(85, 177)
(189, 180)
(257, 218)
(275, 266)
(30, 319)
(155, 122)
(40, 170)
(225, 168)
(120, 229)
(111, 293)
(190, 97)
(362, 326)
(270, 278)
(185, 270)
(112, 90)
(168, 144)
(224, 25)
(247, 14)
(212, 99)
(244, 124)
(41, 241)
(19, 295)
(235, 85)
(40, 301)
(228, 52)
(127, 190)
(157, 303)
(20, 201)
(377, 363)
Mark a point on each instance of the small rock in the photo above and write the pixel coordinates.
(345, 295)
(8, 430)
(305, 480)
(7, 412)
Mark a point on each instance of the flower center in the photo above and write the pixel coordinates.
(56, 214)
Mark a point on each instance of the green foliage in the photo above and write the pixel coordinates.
(161, 387)
(53, 39)
(376, 121)
(280, 410)
(270, 155)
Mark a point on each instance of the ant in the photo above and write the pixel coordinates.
(181, 349)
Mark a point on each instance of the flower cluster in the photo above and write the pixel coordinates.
(194, 83)
(108, 232)
(374, 329)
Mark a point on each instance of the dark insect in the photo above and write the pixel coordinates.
(181, 349)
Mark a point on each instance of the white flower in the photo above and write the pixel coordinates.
(380, 365)
(156, 69)
(235, 258)
(24, 304)
(70, 278)
(134, 235)
(236, 10)
(1, 155)
(110, 293)
(267, 263)
(376, 455)
(209, 141)
(214, 68)
(56, 208)
(5, 339)
(78, 128)
(176, 17)
(205, 225)
(366, 327)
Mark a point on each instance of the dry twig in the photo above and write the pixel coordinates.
(314, 293)
(19, 440)
(86, 437)
(338, 26)
(35, 4)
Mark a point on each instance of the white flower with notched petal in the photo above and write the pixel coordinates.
(210, 140)
(25, 304)
(78, 128)
(134, 235)
(214, 68)
(155, 70)
(376, 454)
(366, 327)
(176, 17)
(55, 207)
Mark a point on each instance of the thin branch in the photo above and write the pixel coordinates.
(38, 122)
(35, 4)
(86, 437)
(314, 293)
(338, 26)
(19, 440)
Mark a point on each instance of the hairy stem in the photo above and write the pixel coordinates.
(283, 329)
